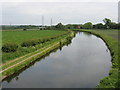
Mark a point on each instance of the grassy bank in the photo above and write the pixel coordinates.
(110, 37)
(20, 63)
(19, 37)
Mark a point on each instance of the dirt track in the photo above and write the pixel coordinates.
(28, 58)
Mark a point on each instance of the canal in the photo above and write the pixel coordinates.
(81, 64)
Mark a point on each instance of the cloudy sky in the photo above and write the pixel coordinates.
(67, 11)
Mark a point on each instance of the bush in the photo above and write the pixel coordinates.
(24, 29)
(32, 42)
(87, 25)
(28, 43)
(45, 40)
(9, 47)
(69, 39)
(25, 44)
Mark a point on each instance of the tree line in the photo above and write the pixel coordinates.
(108, 24)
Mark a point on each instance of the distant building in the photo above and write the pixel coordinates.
(119, 12)
(42, 28)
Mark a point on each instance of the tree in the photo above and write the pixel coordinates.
(99, 26)
(87, 25)
(59, 26)
(72, 26)
(118, 25)
(113, 25)
(107, 23)
(68, 26)
(24, 29)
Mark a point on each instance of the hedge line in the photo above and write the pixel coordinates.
(12, 47)
(34, 42)
(9, 47)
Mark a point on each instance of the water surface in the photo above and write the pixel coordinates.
(79, 65)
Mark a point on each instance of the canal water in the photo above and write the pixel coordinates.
(81, 64)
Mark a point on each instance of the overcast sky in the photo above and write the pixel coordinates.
(67, 11)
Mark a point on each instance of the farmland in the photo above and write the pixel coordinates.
(111, 33)
(20, 36)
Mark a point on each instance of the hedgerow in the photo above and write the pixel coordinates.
(9, 47)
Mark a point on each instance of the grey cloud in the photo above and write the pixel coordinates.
(66, 12)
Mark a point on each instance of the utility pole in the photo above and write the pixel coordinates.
(10, 24)
(51, 21)
(42, 22)
(119, 12)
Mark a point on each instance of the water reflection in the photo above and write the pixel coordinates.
(80, 65)
(16, 75)
(87, 34)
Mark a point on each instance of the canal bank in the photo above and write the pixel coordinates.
(112, 81)
(25, 61)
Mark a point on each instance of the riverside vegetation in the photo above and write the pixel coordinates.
(20, 54)
(23, 42)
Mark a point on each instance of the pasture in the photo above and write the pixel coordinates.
(20, 36)
(111, 33)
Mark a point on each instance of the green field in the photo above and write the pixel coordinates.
(20, 36)
(111, 33)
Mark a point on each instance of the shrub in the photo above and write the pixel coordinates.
(27, 43)
(24, 29)
(32, 42)
(69, 39)
(9, 47)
